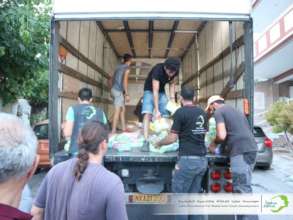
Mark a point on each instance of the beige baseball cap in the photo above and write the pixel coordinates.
(213, 99)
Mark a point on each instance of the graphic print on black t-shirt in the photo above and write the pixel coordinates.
(199, 125)
(190, 123)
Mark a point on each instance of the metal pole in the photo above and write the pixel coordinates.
(231, 40)
(249, 74)
(53, 91)
(197, 67)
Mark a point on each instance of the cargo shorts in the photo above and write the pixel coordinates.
(118, 98)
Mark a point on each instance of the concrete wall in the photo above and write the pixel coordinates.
(266, 93)
(284, 89)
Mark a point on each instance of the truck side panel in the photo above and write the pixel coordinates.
(214, 61)
(80, 57)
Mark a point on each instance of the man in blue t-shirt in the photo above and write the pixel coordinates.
(78, 115)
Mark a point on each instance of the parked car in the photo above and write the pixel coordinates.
(41, 131)
(264, 157)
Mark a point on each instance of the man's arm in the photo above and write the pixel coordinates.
(37, 213)
(221, 132)
(68, 127)
(171, 138)
(172, 90)
(156, 86)
(68, 124)
(125, 84)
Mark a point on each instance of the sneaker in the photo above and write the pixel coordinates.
(145, 146)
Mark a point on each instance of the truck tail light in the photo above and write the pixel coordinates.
(228, 175)
(215, 187)
(246, 107)
(268, 142)
(216, 175)
(228, 187)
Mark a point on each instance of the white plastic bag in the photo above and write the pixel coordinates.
(172, 107)
(160, 125)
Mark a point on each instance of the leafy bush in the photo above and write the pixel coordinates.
(24, 49)
(280, 117)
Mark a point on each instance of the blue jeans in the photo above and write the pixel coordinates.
(148, 103)
(187, 178)
(242, 166)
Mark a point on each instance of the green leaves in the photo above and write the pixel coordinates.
(280, 116)
(24, 50)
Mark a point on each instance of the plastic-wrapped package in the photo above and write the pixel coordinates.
(172, 107)
(160, 125)
(211, 134)
(126, 141)
(164, 149)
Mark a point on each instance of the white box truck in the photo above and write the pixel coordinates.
(212, 38)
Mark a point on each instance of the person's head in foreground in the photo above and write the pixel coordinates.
(187, 95)
(93, 140)
(85, 96)
(18, 158)
(214, 102)
(172, 66)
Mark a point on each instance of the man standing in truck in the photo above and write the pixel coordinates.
(233, 128)
(119, 91)
(190, 126)
(78, 115)
(154, 97)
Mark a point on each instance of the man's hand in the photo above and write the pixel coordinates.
(157, 114)
(127, 98)
(157, 145)
(212, 147)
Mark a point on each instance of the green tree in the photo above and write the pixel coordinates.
(280, 116)
(24, 46)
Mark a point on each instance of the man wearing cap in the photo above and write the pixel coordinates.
(233, 129)
(154, 97)
(190, 126)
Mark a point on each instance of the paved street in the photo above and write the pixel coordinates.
(279, 179)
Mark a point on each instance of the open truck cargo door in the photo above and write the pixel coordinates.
(212, 38)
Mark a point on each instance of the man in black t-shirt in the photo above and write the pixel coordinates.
(190, 126)
(154, 97)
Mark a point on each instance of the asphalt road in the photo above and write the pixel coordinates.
(278, 179)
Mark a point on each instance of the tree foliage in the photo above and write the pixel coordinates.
(280, 116)
(24, 49)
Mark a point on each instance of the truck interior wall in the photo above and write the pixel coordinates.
(214, 72)
(91, 43)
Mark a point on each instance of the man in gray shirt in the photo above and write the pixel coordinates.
(233, 128)
(119, 91)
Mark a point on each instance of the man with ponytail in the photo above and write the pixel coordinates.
(82, 188)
